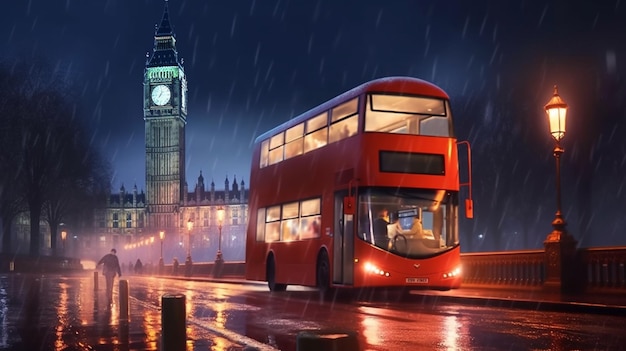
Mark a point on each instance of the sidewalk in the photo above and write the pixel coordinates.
(532, 298)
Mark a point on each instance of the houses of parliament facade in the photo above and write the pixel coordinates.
(180, 219)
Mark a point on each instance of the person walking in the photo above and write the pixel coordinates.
(175, 266)
(110, 267)
(138, 267)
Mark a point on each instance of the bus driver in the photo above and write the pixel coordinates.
(381, 238)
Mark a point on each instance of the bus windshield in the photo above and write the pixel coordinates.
(405, 114)
(412, 223)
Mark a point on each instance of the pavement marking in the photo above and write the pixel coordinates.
(212, 327)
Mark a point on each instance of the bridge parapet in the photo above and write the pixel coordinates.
(604, 268)
(525, 268)
(596, 270)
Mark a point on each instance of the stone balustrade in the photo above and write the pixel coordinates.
(598, 269)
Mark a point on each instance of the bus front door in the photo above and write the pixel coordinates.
(343, 244)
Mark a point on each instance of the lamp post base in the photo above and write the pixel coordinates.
(560, 262)
(188, 266)
(161, 266)
(219, 265)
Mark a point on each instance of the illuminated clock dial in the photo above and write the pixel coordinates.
(161, 95)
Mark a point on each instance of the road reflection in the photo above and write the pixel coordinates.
(450, 333)
(371, 330)
(62, 312)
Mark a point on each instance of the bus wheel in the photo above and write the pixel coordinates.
(323, 272)
(271, 276)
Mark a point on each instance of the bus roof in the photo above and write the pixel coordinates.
(408, 85)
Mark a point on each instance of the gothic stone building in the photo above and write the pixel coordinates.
(132, 221)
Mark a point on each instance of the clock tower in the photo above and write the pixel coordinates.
(165, 116)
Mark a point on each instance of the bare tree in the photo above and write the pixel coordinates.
(77, 191)
(11, 201)
(54, 169)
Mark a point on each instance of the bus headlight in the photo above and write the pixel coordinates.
(454, 273)
(371, 268)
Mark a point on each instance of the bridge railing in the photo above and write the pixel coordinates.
(523, 268)
(38, 264)
(604, 268)
(600, 269)
(201, 269)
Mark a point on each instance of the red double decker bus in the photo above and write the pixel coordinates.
(361, 191)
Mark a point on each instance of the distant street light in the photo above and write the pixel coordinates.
(556, 109)
(188, 262)
(151, 246)
(63, 237)
(189, 229)
(161, 264)
(219, 259)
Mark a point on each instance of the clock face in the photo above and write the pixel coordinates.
(161, 95)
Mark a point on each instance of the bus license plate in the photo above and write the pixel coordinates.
(416, 280)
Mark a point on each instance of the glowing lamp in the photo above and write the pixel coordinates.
(220, 214)
(556, 109)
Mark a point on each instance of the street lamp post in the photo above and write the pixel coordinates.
(556, 109)
(189, 229)
(161, 264)
(63, 237)
(219, 259)
(559, 245)
(151, 246)
(188, 262)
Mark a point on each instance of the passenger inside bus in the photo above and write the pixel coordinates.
(381, 237)
(416, 229)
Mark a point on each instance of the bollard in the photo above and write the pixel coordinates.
(95, 280)
(123, 293)
(173, 322)
(327, 340)
(124, 335)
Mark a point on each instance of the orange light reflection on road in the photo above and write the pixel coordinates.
(220, 308)
(189, 296)
(451, 331)
(62, 313)
(151, 318)
(371, 327)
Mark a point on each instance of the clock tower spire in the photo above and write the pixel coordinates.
(165, 116)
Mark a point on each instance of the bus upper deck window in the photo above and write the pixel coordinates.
(344, 110)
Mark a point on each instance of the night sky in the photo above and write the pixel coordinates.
(254, 64)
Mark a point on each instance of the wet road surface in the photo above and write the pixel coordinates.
(64, 313)
(388, 321)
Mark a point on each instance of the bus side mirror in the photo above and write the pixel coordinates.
(469, 208)
(348, 205)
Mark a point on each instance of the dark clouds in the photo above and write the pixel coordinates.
(254, 64)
